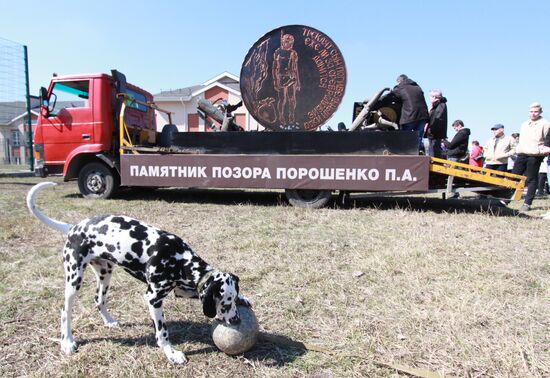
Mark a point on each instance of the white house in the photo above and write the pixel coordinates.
(183, 104)
(14, 147)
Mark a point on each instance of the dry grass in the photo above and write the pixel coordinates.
(461, 289)
(8, 168)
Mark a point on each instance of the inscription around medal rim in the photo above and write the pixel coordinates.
(293, 78)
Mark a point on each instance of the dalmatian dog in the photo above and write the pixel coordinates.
(163, 261)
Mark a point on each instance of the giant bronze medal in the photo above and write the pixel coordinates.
(293, 78)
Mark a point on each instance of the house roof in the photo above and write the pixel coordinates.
(224, 80)
(182, 92)
(24, 115)
(11, 110)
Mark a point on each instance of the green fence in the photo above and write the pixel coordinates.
(16, 117)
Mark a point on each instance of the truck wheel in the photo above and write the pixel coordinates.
(310, 199)
(96, 180)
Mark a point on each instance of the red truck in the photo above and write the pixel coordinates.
(100, 130)
(76, 134)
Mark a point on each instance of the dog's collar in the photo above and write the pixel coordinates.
(203, 280)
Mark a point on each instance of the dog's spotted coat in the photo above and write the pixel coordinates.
(160, 259)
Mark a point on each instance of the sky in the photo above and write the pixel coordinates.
(490, 58)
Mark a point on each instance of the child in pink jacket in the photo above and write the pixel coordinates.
(476, 154)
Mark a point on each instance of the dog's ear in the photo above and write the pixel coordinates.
(236, 279)
(208, 302)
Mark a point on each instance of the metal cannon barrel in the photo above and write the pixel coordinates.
(211, 110)
(293, 78)
(226, 120)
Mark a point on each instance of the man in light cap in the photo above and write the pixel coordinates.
(498, 149)
(533, 144)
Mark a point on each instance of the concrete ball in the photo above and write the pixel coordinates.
(238, 338)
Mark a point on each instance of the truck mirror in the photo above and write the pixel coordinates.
(44, 100)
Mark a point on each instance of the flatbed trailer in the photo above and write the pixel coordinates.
(309, 166)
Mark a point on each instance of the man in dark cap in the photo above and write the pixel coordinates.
(498, 149)
(414, 111)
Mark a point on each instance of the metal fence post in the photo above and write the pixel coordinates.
(29, 115)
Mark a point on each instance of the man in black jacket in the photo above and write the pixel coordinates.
(457, 149)
(436, 131)
(414, 111)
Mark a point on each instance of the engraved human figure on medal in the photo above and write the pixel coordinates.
(286, 80)
(258, 68)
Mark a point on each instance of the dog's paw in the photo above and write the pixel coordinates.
(175, 356)
(112, 324)
(243, 301)
(108, 320)
(68, 346)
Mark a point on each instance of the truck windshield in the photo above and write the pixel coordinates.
(70, 94)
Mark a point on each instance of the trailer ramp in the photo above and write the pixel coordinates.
(499, 180)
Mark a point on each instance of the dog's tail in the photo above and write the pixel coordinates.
(56, 225)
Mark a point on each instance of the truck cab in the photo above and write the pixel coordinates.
(77, 129)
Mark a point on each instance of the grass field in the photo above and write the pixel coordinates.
(8, 168)
(459, 288)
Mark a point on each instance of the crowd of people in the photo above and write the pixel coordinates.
(524, 153)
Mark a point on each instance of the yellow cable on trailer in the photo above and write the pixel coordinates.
(124, 135)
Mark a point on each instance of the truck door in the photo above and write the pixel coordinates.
(70, 122)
